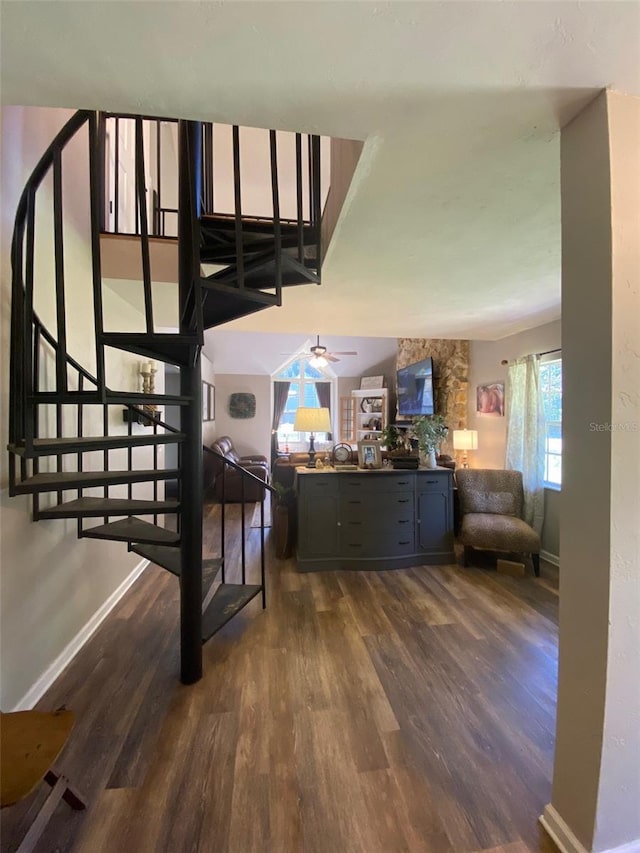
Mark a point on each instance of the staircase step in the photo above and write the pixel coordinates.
(112, 398)
(169, 559)
(95, 507)
(176, 349)
(215, 251)
(55, 482)
(221, 223)
(228, 600)
(133, 530)
(57, 446)
(222, 307)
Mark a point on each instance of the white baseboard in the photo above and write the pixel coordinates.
(560, 831)
(566, 840)
(35, 693)
(554, 559)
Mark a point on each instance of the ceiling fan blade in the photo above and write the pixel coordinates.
(345, 353)
(330, 357)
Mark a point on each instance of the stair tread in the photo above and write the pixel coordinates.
(174, 348)
(227, 600)
(133, 529)
(52, 481)
(53, 446)
(170, 558)
(87, 507)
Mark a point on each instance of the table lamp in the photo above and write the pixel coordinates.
(312, 420)
(465, 439)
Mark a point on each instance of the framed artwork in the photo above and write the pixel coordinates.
(208, 402)
(367, 382)
(490, 400)
(242, 405)
(369, 455)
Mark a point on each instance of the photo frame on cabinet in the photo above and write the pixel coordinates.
(369, 382)
(369, 454)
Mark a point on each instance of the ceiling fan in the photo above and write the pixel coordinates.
(319, 356)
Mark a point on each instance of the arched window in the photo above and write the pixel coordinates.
(308, 386)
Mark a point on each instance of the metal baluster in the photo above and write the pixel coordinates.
(244, 546)
(30, 368)
(299, 197)
(130, 416)
(262, 559)
(94, 198)
(61, 350)
(79, 429)
(141, 207)
(222, 520)
(59, 435)
(158, 230)
(277, 231)
(155, 468)
(105, 453)
(116, 182)
(310, 180)
(317, 211)
(35, 503)
(238, 206)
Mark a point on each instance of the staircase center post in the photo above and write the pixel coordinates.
(191, 415)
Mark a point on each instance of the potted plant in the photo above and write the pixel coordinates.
(431, 431)
(399, 449)
(284, 519)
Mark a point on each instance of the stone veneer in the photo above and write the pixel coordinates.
(451, 379)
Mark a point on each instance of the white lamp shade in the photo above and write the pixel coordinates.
(312, 420)
(465, 439)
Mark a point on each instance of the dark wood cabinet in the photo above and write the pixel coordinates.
(374, 519)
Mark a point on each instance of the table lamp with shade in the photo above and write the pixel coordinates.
(312, 420)
(465, 439)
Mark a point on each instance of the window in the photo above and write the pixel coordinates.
(302, 392)
(551, 389)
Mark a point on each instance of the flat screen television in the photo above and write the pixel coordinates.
(415, 389)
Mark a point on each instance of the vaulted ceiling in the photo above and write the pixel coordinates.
(452, 224)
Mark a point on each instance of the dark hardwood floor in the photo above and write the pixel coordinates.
(360, 713)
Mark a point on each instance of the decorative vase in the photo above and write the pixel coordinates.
(431, 459)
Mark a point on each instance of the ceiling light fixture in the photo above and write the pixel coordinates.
(318, 361)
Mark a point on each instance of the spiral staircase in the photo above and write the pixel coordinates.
(56, 453)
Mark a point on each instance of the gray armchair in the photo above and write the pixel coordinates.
(491, 504)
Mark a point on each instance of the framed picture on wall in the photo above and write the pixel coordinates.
(490, 400)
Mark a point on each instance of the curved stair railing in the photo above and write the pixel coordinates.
(47, 448)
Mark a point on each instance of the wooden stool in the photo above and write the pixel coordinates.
(30, 741)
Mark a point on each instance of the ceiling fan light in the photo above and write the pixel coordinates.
(318, 361)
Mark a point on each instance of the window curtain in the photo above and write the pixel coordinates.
(280, 394)
(525, 434)
(323, 390)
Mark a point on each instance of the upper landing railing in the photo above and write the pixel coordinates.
(254, 173)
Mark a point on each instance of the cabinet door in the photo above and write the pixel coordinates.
(435, 523)
(318, 526)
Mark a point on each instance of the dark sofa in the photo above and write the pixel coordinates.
(227, 480)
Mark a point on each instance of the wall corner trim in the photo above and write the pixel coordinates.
(554, 559)
(560, 832)
(37, 690)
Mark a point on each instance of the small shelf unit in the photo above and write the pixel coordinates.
(364, 415)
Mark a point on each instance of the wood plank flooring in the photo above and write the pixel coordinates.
(362, 712)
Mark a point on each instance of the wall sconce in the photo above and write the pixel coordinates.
(465, 439)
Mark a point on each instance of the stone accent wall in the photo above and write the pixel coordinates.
(451, 378)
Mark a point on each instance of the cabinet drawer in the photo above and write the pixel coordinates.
(376, 483)
(433, 483)
(376, 507)
(354, 545)
(318, 484)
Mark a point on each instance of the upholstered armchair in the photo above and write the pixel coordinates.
(229, 483)
(491, 504)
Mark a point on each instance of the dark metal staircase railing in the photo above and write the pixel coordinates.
(32, 406)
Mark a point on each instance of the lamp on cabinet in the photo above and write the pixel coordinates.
(312, 420)
(465, 439)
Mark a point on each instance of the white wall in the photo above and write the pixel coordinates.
(485, 366)
(249, 435)
(52, 584)
(596, 784)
